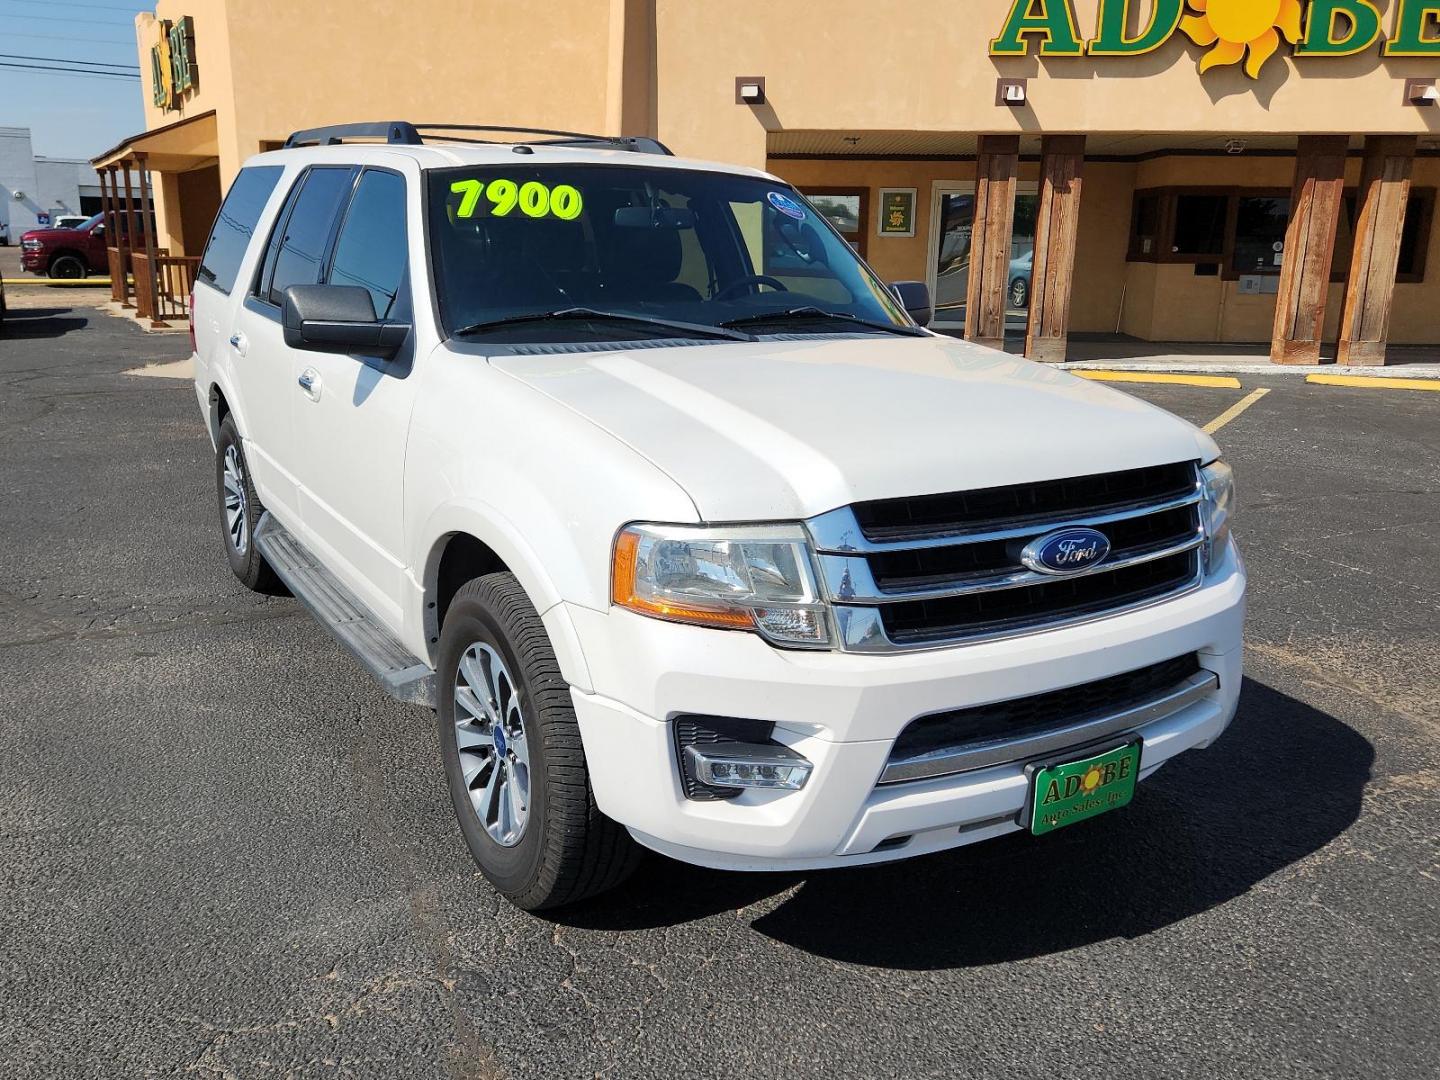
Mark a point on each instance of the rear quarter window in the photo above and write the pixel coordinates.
(235, 225)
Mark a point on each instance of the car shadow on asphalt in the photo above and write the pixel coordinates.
(1284, 781)
(21, 322)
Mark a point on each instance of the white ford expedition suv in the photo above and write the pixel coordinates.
(691, 534)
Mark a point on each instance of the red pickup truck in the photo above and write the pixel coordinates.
(67, 253)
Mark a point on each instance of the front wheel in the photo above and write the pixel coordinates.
(67, 267)
(1019, 293)
(513, 757)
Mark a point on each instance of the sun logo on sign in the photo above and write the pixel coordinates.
(1234, 26)
(1091, 780)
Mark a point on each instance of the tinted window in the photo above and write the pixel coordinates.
(371, 249)
(301, 250)
(1200, 224)
(235, 225)
(1260, 235)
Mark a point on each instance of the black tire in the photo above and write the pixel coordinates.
(245, 560)
(68, 267)
(568, 850)
(1019, 294)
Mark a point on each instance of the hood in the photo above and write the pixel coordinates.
(786, 430)
(57, 235)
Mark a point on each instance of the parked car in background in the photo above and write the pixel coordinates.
(4, 234)
(66, 253)
(68, 221)
(1017, 296)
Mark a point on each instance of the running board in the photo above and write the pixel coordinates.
(405, 677)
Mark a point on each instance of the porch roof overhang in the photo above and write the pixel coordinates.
(186, 144)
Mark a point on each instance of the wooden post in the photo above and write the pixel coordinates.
(995, 168)
(1062, 157)
(128, 239)
(107, 209)
(1379, 225)
(1315, 205)
(151, 263)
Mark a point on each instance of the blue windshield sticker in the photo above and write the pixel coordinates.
(787, 205)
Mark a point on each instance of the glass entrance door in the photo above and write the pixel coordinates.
(952, 225)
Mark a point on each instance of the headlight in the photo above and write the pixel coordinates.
(757, 579)
(31, 245)
(1218, 510)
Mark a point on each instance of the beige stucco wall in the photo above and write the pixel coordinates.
(925, 66)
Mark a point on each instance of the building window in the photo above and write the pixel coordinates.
(1200, 225)
(1243, 230)
(1260, 222)
(848, 209)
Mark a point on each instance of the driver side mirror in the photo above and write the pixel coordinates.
(914, 297)
(339, 319)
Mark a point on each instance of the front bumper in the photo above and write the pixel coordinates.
(34, 261)
(844, 711)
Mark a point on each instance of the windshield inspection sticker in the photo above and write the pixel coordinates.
(786, 205)
(534, 199)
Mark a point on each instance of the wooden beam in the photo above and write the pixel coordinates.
(152, 264)
(127, 242)
(1379, 225)
(1047, 336)
(1315, 205)
(997, 162)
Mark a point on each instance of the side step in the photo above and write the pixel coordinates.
(404, 676)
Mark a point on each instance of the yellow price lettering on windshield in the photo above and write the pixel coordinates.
(535, 200)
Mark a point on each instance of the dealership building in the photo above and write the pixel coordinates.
(1196, 171)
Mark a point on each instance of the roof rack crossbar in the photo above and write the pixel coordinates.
(404, 133)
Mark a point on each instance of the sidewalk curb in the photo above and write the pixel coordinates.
(1403, 371)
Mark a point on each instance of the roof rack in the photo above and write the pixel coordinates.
(404, 133)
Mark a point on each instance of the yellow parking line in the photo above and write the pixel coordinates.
(1224, 381)
(55, 283)
(1234, 410)
(1374, 382)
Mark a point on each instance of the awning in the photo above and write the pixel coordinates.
(179, 147)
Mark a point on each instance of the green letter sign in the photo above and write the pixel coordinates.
(1327, 35)
(1051, 20)
(1110, 39)
(1411, 21)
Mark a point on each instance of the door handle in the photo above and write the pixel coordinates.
(310, 382)
(238, 342)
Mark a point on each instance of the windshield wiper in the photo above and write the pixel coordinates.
(582, 314)
(813, 314)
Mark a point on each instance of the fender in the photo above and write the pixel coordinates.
(488, 525)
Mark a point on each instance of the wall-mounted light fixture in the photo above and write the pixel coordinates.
(1011, 92)
(1234, 146)
(1421, 92)
(750, 90)
(18, 196)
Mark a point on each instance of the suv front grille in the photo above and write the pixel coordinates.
(941, 569)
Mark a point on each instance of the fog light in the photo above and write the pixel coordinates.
(749, 765)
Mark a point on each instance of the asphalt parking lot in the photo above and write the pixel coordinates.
(223, 852)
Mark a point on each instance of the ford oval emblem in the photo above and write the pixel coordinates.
(1066, 552)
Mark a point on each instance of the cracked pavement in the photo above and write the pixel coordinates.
(225, 853)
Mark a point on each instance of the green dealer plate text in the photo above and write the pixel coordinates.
(1064, 794)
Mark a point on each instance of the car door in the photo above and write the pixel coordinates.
(353, 419)
(265, 366)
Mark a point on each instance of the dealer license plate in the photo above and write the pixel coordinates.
(1072, 791)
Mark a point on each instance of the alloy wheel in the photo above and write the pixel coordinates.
(490, 735)
(237, 521)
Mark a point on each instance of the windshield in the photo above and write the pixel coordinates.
(672, 245)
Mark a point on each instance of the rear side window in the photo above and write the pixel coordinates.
(235, 225)
(300, 251)
(371, 250)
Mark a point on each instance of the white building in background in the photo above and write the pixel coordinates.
(34, 190)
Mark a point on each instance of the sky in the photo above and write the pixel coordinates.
(70, 114)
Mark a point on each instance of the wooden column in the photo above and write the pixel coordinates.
(151, 263)
(1315, 205)
(127, 240)
(107, 210)
(1379, 225)
(1062, 158)
(995, 167)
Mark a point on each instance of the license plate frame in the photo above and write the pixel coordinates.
(1062, 810)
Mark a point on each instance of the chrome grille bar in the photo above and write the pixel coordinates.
(964, 758)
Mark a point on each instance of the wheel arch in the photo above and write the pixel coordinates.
(469, 544)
